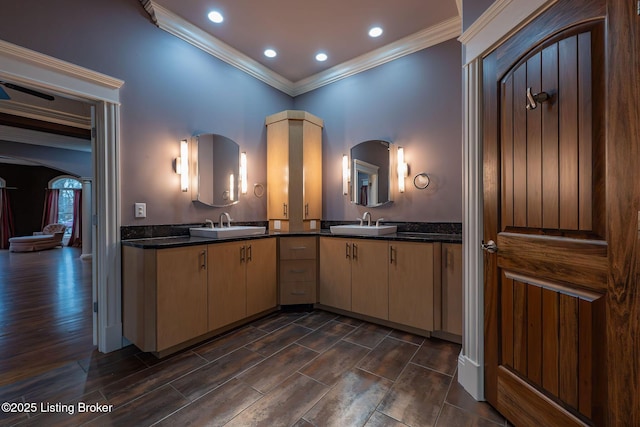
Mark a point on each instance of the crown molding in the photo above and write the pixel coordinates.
(173, 24)
(502, 18)
(431, 36)
(45, 114)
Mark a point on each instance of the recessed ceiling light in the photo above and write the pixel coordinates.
(321, 57)
(375, 32)
(270, 53)
(215, 16)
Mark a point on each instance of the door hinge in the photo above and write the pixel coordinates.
(93, 132)
(638, 7)
(95, 306)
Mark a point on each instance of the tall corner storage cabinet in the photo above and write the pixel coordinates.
(294, 171)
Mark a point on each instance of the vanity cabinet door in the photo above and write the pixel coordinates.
(312, 171)
(335, 272)
(452, 288)
(181, 311)
(261, 275)
(278, 170)
(411, 280)
(370, 278)
(227, 283)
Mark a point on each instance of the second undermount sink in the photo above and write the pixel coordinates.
(363, 230)
(221, 232)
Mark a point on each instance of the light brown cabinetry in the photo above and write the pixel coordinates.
(335, 273)
(388, 280)
(452, 288)
(411, 282)
(174, 296)
(164, 296)
(369, 278)
(298, 270)
(354, 275)
(242, 280)
(294, 170)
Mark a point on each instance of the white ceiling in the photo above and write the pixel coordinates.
(298, 30)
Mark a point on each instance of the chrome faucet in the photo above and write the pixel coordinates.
(222, 215)
(367, 216)
(208, 223)
(378, 221)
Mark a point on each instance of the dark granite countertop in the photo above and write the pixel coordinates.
(178, 241)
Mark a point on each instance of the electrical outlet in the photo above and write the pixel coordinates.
(312, 224)
(276, 224)
(141, 210)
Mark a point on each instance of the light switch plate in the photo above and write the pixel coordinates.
(276, 224)
(141, 210)
(312, 224)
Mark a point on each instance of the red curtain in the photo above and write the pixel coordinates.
(50, 213)
(6, 219)
(76, 229)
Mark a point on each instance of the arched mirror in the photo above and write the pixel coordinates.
(371, 173)
(215, 170)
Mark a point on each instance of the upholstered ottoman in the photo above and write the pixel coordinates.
(33, 243)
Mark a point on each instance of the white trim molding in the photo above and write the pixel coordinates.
(34, 137)
(45, 114)
(33, 69)
(179, 27)
(502, 18)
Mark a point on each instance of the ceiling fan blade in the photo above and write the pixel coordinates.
(4, 94)
(29, 91)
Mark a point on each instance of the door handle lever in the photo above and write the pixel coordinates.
(534, 98)
(490, 246)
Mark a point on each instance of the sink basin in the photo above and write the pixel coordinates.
(363, 230)
(221, 232)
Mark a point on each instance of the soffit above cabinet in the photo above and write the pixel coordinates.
(297, 31)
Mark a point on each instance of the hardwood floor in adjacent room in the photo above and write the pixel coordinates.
(288, 369)
(45, 311)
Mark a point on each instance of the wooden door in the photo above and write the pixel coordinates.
(545, 287)
(452, 288)
(411, 281)
(370, 278)
(261, 275)
(181, 295)
(335, 272)
(227, 283)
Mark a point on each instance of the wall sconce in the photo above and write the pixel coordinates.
(182, 165)
(346, 174)
(232, 191)
(403, 169)
(243, 172)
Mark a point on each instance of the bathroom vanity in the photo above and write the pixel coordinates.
(178, 291)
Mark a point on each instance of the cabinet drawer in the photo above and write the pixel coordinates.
(298, 271)
(298, 293)
(297, 248)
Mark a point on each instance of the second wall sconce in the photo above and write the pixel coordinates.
(403, 169)
(243, 172)
(182, 165)
(346, 174)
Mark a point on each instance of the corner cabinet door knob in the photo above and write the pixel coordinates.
(490, 247)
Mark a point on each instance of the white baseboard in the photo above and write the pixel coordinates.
(112, 339)
(470, 376)
(86, 257)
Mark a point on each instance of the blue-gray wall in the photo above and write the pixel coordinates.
(415, 102)
(173, 90)
(472, 9)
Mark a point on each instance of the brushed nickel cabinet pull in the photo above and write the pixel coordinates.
(347, 250)
(242, 253)
(249, 253)
(355, 251)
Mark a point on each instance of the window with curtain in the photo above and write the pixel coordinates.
(69, 197)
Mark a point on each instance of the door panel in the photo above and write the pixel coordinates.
(545, 287)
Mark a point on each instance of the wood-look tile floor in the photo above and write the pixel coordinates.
(288, 369)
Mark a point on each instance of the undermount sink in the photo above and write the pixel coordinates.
(363, 230)
(221, 232)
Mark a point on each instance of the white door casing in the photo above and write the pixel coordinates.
(26, 67)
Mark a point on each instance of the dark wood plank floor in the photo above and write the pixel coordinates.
(45, 311)
(289, 369)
